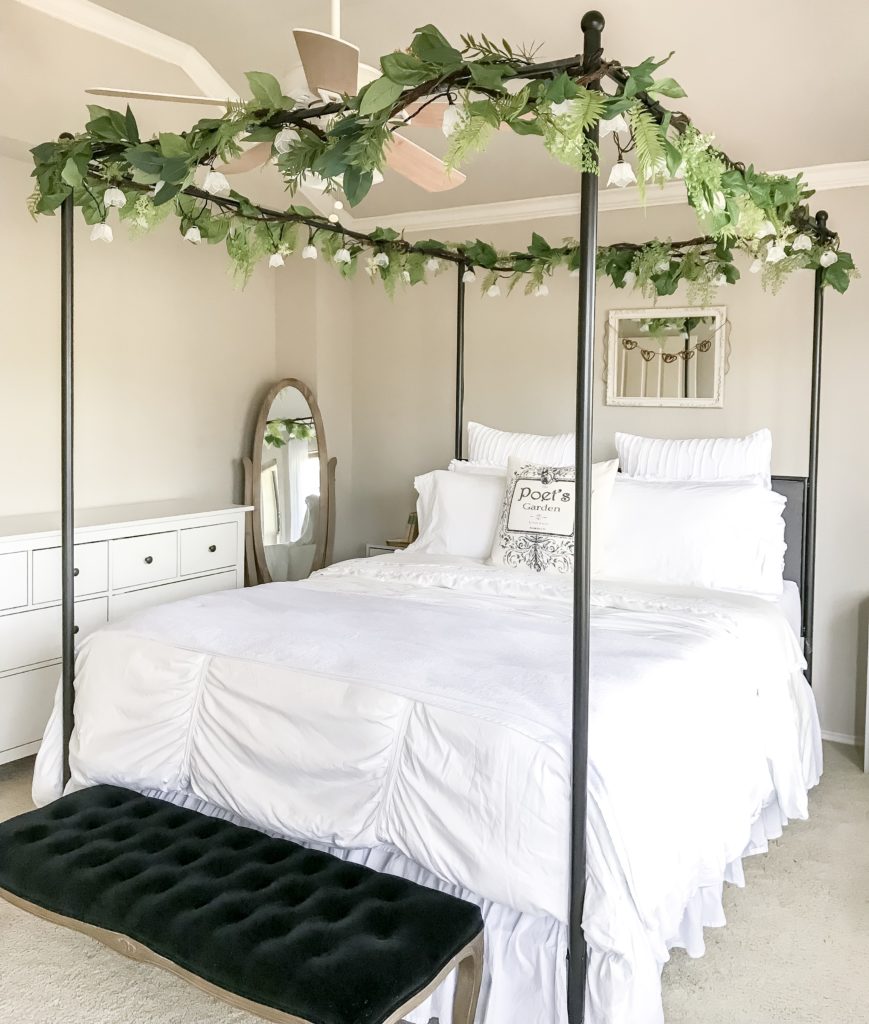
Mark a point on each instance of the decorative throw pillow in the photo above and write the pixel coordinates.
(536, 528)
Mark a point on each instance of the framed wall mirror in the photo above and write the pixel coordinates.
(667, 357)
(291, 485)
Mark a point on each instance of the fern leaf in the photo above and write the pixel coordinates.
(472, 135)
(649, 142)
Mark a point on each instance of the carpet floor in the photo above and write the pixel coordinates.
(794, 952)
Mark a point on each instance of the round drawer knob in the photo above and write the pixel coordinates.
(149, 559)
(75, 572)
(75, 629)
(212, 548)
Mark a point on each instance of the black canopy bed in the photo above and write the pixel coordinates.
(78, 171)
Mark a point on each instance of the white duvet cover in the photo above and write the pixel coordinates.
(415, 715)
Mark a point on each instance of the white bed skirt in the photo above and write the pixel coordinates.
(525, 971)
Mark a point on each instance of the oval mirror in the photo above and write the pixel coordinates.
(291, 491)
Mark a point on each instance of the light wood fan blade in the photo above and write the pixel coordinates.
(165, 97)
(330, 64)
(427, 115)
(421, 167)
(257, 155)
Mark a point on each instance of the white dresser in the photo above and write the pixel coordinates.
(126, 558)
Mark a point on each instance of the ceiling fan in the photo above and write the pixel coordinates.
(330, 68)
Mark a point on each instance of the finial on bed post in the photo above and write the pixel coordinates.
(592, 27)
(808, 595)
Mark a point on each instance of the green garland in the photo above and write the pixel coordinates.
(488, 86)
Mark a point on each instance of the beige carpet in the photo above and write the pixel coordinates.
(796, 949)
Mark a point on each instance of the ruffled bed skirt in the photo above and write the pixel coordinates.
(525, 977)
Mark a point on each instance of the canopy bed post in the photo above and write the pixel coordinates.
(814, 427)
(592, 27)
(67, 526)
(460, 357)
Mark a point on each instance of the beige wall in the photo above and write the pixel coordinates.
(520, 376)
(169, 360)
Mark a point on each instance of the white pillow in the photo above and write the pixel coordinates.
(700, 458)
(460, 466)
(457, 513)
(722, 536)
(538, 516)
(494, 447)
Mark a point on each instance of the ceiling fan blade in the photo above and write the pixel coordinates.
(253, 157)
(426, 115)
(421, 167)
(330, 64)
(165, 97)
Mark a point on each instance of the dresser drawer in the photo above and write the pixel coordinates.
(26, 699)
(91, 571)
(208, 547)
(136, 600)
(137, 561)
(33, 636)
(13, 580)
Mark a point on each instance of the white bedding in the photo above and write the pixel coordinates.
(416, 716)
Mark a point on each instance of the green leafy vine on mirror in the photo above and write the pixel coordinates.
(483, 87)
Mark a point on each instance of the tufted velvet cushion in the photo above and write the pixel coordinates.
(291, 928)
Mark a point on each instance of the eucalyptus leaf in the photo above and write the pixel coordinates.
(379, 95)
(265, 88)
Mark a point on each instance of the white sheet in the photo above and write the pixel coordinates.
(791, 606)
(418, 714)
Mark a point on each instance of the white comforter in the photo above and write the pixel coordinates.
(417, 715)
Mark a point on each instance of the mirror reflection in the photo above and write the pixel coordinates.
(290, 487)
(666, 357)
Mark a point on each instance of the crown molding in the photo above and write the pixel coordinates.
(90, 17)
(821, 177)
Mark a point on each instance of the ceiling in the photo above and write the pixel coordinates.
(769, 100)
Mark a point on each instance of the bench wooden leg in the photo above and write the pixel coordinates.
(468, 981)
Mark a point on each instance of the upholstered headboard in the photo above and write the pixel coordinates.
(795, 489)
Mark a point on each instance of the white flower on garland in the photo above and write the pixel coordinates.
(766, 229)
(828, 258)
(719, 280)
(802, 243)
(630, 279)
(719, 201)
(370, 267)
(276, 260)
(432, 264)
(775, 253)
(755, 267)
(613, 125)
(405, 276)
(216, 183)
(310, 252)
(454, 115)
(101, 233)
(114, 197)
(493, 291)
(285, 140)
(469, 276)
(193, 235)
(342, 256)
(541, 291)
(562, 109)
(381, 260)
(621, 175)
(662, 266)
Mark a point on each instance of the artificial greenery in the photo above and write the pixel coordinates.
(279, 431)
(488, 86)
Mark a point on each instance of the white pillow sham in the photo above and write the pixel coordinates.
(457, 513)
(494, 447)
(720, 536)
(698, 459)
(536, 526)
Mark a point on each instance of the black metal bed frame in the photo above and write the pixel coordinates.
(592, 29)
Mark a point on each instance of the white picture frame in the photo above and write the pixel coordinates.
(656, 380)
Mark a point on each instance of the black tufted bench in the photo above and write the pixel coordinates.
(291, 934)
